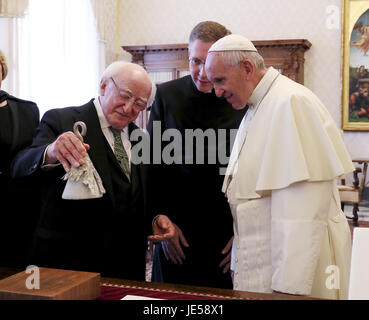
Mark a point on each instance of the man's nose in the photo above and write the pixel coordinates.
(128, 106)
(202, 72)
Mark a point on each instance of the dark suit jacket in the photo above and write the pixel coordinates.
(15, 225)
(190, 194)
(106, 235)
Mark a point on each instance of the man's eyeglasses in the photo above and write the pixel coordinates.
(196, 62)
(126, 94)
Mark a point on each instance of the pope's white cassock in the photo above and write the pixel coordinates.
(290, 233)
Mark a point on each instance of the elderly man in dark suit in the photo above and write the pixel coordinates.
(107, 234)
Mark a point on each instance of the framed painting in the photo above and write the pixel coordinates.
(355, 67)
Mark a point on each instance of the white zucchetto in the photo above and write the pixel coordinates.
(233, 42)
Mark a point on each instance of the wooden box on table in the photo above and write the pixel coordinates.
(54, 284)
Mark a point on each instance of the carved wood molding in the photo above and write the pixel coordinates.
(285, 55)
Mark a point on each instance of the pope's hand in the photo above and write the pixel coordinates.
(226, 262)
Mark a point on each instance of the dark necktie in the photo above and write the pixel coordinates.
(120, 152)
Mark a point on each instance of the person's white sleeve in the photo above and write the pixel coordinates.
(299, 216)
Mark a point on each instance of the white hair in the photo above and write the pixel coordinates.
(113, 69)
(233, 58)
(117, 66)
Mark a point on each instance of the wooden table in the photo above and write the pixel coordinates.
(116, 289)
(184, 292)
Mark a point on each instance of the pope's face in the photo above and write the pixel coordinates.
(228, 81)
(198, 51)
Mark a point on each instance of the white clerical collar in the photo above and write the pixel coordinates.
(262, 87)
(103, 122)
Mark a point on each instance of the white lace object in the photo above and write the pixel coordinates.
(83, 182)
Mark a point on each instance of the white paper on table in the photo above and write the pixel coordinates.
(132, 297)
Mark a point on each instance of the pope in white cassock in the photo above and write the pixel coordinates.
(290, 234)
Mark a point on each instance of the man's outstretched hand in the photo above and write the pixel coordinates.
(163, 229)
(171, 238)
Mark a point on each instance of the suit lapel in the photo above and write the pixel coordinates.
(13, 107)
(137, 174)
(112, 156)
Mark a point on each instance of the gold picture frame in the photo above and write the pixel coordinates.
(355, 65)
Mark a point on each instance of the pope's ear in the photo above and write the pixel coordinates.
(249, 67)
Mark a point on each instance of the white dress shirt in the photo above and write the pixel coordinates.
(105, 127)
